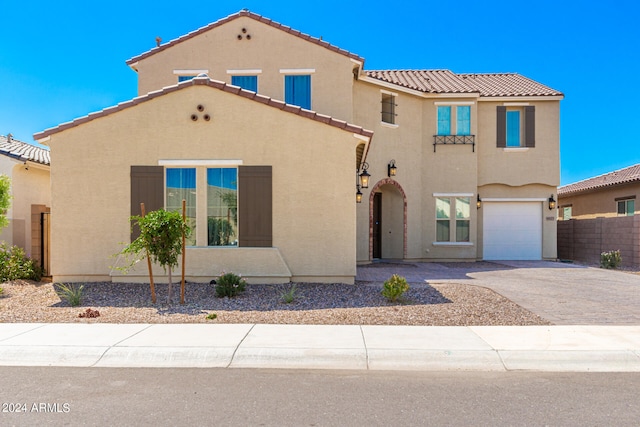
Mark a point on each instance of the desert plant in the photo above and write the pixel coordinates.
(15, 264)
(5, 199)
(394, 287)
(212, 316)
(70, 293)
(611, 259)
(229, 285)
(289, 294)
(161, 238)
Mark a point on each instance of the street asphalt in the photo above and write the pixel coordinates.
(595, 315)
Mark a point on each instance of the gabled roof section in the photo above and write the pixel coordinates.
(627, 175)
(203, 80)
(23, 151)
(251, 15)
(445, 81)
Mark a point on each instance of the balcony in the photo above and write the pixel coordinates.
(454, 140)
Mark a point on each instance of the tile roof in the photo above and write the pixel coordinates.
(22, 151)
(445, 81)
(251, 15)
(204, 80)
(619, 177)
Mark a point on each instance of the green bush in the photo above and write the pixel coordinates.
(15, 264)
(611, 259)
(70, 293)
(229, 285)
(394, 287)
(289, 294)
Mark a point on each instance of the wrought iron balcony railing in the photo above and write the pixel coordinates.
(454, 140)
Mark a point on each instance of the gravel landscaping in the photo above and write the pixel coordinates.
(445, 304)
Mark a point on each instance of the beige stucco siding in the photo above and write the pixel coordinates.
(313, 201)
(269, 50)
(600, 203)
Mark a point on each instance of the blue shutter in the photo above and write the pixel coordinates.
(246, 82)
(513, 128)
(464, 120)
(297, 91)
(444, 120)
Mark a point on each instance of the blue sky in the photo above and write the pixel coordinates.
(63, 60)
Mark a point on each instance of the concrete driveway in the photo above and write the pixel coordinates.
(564, 294)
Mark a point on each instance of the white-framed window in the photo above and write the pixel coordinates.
(180, 184)
(516, 126)
(297, 87)
(626, 207)
(453, 218)
(388, 107)
(453, 118)
(565, 213)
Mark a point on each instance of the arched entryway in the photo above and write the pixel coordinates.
(387, 220)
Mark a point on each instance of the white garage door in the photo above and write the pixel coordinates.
(512, 230)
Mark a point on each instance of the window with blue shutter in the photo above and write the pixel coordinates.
(246, 82)
(297, 91)
(463, 126)
(513, 128)
(444, 120)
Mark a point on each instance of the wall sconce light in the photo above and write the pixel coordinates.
(364, 176)
(552, 203)
(478, 202)
(358, 195)
(391, 169)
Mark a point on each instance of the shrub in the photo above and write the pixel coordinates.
(70, 293)
(15, 264)
(611, 259)
(229, 285)
(212, 316)
(289, 294)
(394, 287)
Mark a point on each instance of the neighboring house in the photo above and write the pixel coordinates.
(28, 168)
(601, 214)
(246, 96)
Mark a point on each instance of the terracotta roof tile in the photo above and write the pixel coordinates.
(205, 81)
(237, 15)
(445, 81)
(23, 151)
(619, 177)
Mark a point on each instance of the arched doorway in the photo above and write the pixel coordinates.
(387, 221)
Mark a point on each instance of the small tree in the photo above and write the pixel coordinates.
(5, 199)
(160, 238)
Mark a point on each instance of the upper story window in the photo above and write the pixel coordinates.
(297, 90)
(444, 120)
(462, 120)
(626, 207)
(246, 82)
(184, 75)
(388, 107)
(515, 126)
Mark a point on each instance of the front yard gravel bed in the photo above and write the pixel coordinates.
(442, 304)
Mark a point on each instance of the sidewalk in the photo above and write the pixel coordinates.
(419, 348)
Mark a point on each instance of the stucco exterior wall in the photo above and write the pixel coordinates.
(269, 50)
(313, 200)
(601, 203)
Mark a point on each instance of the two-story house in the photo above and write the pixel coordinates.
(268, 134)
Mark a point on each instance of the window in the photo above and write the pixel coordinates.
(184, 78)
(463, 126)
(444, 120)
(453, 217)
(565, 213)
(388, 108)
(181, 185)
(246, 82)
(626, 207)
(515, 126)
(297, 90)
(222, 207)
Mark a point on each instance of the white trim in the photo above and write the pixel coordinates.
(297, 70)
(386, 92)
(453, 195)
(244, 72)
(454, 103)
(515, 149)
(512, 199)
(521, 98)
(389, 125)
(516, 104)
(452, 243)
(171, 162)
(361, 137)
(190, 72)
(45, 139)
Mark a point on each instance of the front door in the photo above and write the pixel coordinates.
(377, 225)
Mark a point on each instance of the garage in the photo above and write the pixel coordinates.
(512, 230)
